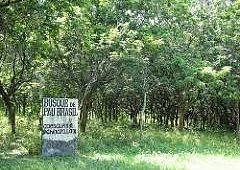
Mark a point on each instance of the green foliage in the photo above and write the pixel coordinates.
(26, 140)
(166, 63)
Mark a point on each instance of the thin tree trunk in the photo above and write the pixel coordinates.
(237, 120)
(172, 121)
(181, 119)
(142, 112)
(134, 118)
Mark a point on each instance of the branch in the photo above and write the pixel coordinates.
(18, 78)
(14, 69)
(3, 92)
(3, 54)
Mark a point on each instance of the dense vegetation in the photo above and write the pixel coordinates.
(170, 63)
(158, 81)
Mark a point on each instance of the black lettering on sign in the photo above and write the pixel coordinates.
(45, 101)
(58, 125)
(49, 111)
(60, 111)
(55, 102)
(72, 104)
(60, 131)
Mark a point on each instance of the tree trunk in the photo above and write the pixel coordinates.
(83, 107)
(134, 118)
(84, 116)
(237, 120)
(181, 119)
(166, 120)
(10, 107)
(142, 113)
(176, 118)
(11, 116)
(86, 104)
(172, 121)
(182, 112)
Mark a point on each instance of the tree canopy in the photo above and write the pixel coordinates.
(170, 63)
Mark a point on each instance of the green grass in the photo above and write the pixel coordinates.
(118, 147)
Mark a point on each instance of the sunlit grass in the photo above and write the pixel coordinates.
(118, 147)
(156, 161)
(191, 161)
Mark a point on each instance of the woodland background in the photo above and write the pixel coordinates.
(142, 64)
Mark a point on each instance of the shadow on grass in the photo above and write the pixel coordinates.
(74, 163)
(123, 151)
(153, 161)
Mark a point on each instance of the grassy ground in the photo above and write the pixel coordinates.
(118, 147)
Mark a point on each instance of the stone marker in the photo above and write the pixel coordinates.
(60, 126)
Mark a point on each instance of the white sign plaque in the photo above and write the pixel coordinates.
(59, 126)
